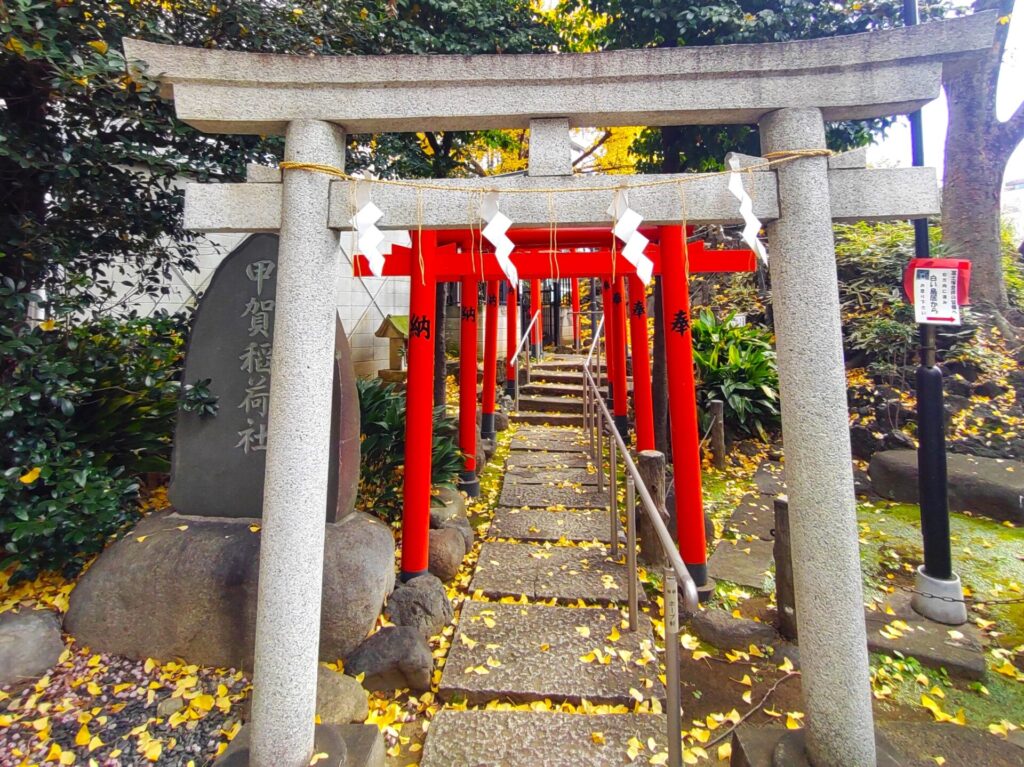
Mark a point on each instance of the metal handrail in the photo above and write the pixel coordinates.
(526, 334)
(518, 352)
(690, 598)
(596, 418)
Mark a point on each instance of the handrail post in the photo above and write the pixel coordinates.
(631, 550)
(613, 495)
(599, 460)
(515, 383)
(671, 596)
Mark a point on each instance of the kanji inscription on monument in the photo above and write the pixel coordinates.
(219, 461)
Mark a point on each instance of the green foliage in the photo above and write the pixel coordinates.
(736, 364)
(1013, 268)
(382, 410)
(659, 24)
(878, 324)
(85, 409)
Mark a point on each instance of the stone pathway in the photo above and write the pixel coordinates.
(520, 642)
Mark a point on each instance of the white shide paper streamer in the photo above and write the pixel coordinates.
(627, 222)
(751, 224)
(495, 233)
(368, 237)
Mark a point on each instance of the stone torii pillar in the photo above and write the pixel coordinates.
(295, 489)
(816, 437)
(468, 481)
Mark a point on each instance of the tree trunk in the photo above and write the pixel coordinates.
(973, 181)
(978, 147)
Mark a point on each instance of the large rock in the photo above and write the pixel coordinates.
(421, 603)
(719, 628)
(992, 487)
(450, 501)
(340, 699)
(500, 421)
(165, 593)
(30, 645)
(447, 548)
(396, 657)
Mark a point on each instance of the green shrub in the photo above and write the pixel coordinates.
(382, 410)
(1013, 268)
(84, 410)
(736, 364)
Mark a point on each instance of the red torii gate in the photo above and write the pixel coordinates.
(461, 255)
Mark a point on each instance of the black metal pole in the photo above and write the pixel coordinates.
(931, 416)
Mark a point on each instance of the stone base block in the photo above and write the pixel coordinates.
(185, 587)
(779, 747)
(349, 745)
(937, 607)
(898, 744)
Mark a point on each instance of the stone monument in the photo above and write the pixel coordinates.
(183, 583)
(218, 461)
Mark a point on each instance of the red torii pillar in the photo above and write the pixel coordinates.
(538, 327)
(609, 361)
(468, 481)
(682, 398)
(419, 410)
(490, 362)
(617, 352)
(575, 314)
(643, 404)
(511, 337)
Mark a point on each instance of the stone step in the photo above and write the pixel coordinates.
(547, 389)
(530, 403)
(538, 439)
(553, 475)
(571, 378)
(543, 525)
(569, 457)
(566, 573)
(522, 653)
(535, 738)
(551, 419)
(543, 496)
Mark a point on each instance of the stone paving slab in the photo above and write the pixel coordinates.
(742, 562)
(754, 516)
(562, 572)
(533, 652)
(537, 739)
(542, 525)
(522, 459)
(543, 496)
(770, 478)
(961, 652)
(551, 476)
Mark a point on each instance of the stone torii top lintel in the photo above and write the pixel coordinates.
(872, 74)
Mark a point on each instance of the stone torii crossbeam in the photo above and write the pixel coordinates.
(788, 89)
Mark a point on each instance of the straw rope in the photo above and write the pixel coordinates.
(771, 160)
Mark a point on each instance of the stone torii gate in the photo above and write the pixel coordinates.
(788, 89)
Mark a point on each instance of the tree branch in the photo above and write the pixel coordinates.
(597, 145)
(1011, 132)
